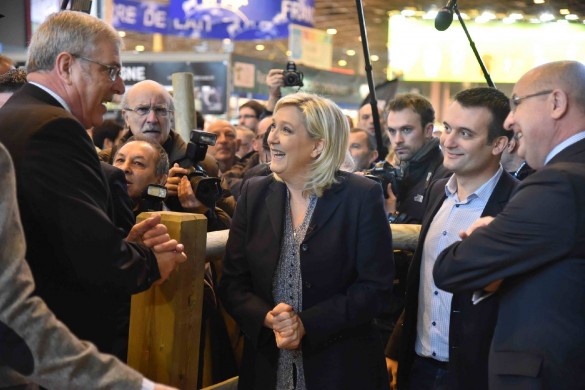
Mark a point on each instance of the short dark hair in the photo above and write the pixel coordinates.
(110, 129)
(496, 102)
(416, 103)
(162, 163)
(254, 105)
(12, 80)
(370, 138)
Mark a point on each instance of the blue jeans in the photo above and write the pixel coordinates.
(430, 374)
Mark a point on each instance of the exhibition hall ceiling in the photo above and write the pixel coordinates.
(341, 15)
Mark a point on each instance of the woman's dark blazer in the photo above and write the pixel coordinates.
(347, 271)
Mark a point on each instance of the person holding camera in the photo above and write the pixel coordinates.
(147, 109)
(410, 120)
(144, 163)
(304, 291)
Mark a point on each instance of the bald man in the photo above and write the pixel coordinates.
(533, 252)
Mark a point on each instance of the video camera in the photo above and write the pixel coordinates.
(385, 173)
(206, 189)
(292, 78)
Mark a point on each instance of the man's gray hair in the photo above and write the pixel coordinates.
(69, 31)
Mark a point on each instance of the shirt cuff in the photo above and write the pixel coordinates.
(147, 385)
(479, 296)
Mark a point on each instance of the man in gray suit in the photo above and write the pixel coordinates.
(33, 343)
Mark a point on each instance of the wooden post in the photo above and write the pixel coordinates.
(184, 104)
(165, 321)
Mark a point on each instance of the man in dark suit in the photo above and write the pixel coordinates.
(33, 343)
(81, 261)
(443, 339)
(534, 250)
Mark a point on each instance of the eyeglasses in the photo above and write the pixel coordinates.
(145, 110)
(246, 116)
(113, 70)
(516, 100)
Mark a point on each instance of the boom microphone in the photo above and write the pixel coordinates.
(444, 17)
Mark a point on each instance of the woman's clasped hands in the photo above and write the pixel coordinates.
(286, 325)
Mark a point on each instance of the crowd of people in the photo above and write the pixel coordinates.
(490, 297)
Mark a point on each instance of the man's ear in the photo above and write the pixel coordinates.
(428, 130)
(500, 145)
(163, 179)
(511, 145)
(318, 149)
(560, 102)
(63, 65)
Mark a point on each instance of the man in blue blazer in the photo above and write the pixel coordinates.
(534, 250)
(443, 339)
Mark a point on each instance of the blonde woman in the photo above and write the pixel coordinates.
(308, 262)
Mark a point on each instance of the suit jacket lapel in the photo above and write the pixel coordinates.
(500, 195)
(325, 208)
(275, 204)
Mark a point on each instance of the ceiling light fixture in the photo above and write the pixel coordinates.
(547, 17)
(331, 31)
(350, 52)
(342, 62)
(259, 47)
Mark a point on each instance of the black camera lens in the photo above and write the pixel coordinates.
(292, 78)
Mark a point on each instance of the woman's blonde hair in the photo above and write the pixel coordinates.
(325, 121)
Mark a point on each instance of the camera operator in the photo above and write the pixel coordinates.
(147, 109)
(278, 78)
(144, 162)
(409, 121)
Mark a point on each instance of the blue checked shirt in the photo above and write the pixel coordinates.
(434, 304)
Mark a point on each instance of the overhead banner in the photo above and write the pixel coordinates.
(310, 47)
(214, 19)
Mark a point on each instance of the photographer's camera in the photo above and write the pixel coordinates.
(206, 189)
(292, 78)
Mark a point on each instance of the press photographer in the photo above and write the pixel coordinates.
(419, 161)
(278, 78)
(409, 120)
(147, 109)
(145, 165)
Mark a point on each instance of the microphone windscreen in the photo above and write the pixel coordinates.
(443, 19)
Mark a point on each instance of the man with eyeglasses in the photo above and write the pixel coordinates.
(147, 109)
(249, 114)
(533, 252)
(82, 263)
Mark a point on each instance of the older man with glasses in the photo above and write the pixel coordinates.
(83, 264)
(533, 252)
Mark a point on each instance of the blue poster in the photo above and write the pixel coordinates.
(214, 19)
